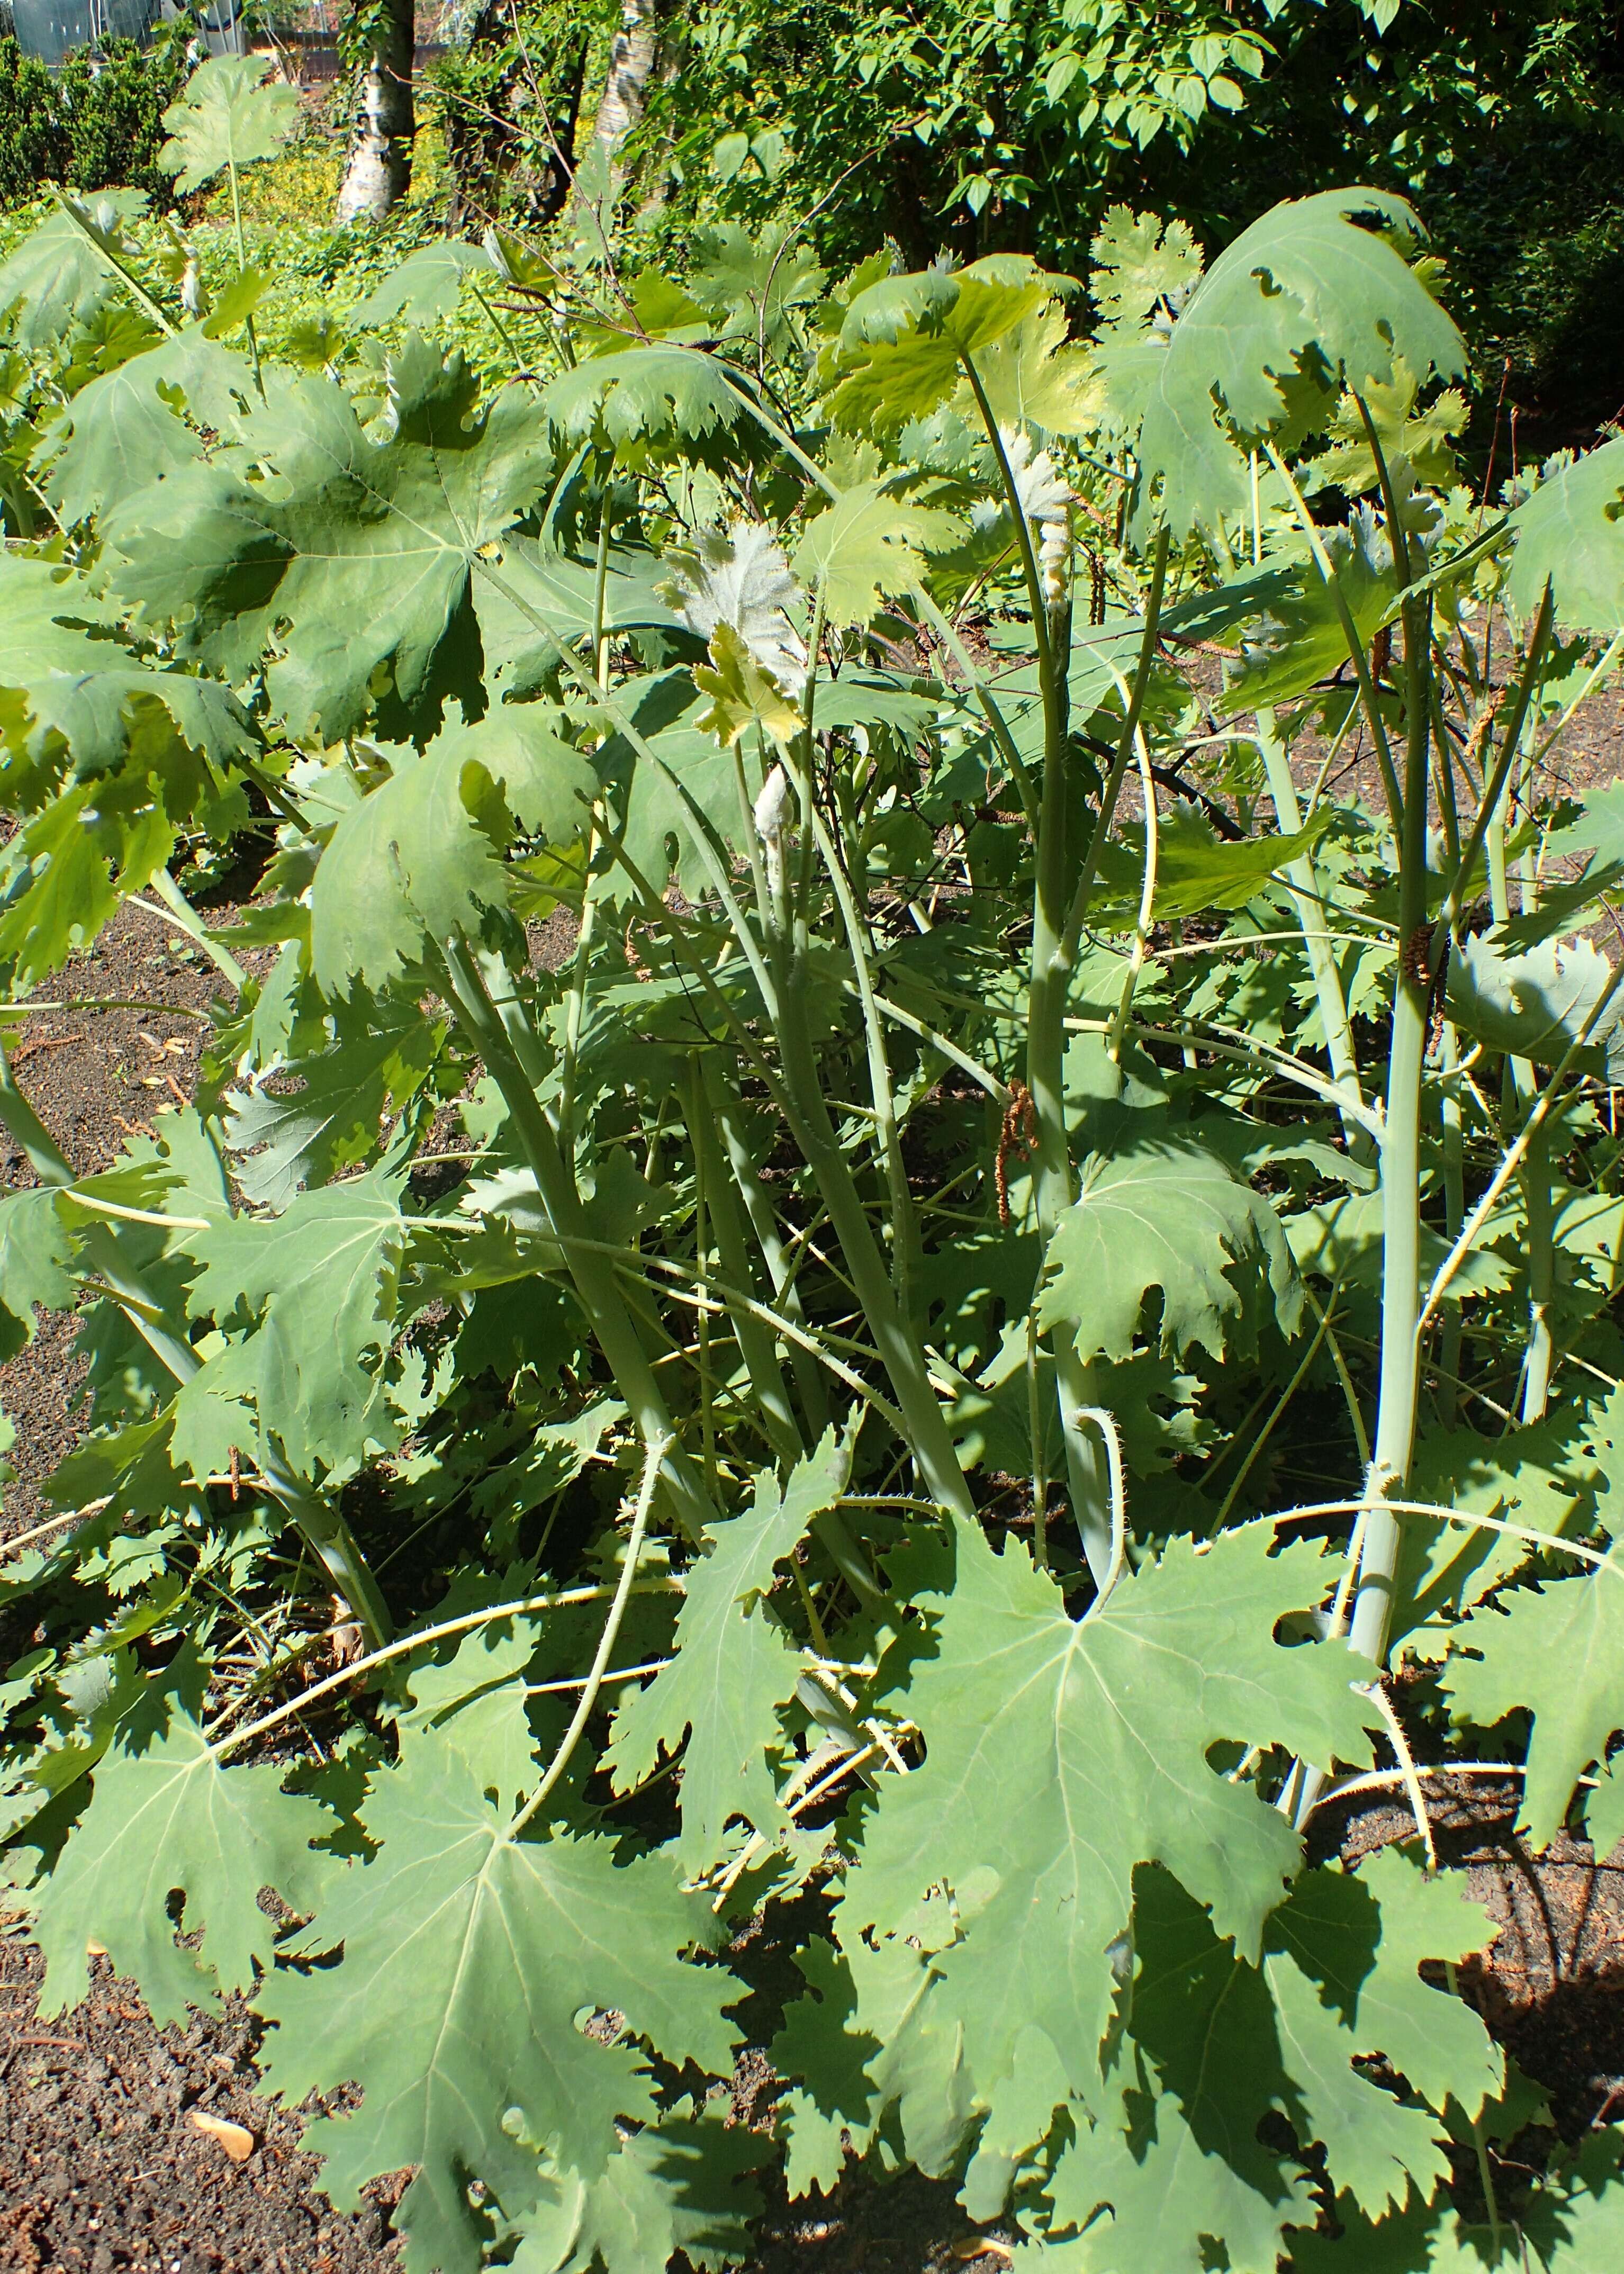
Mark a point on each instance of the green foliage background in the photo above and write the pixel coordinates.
(89, 126)
(972, 125)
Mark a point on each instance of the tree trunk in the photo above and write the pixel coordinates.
(631, 63)
(493, 142)
(377, 172)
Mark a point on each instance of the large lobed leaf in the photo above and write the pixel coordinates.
(734, 1666)
(340, 555)
(1061, 1754)
(318, 1283)
(226, 115)
(1571, 532)
(472, 1961)
(1305, 297)
(417, 861)
(1555, 1650)
(1161, 1211)
(69, 681)
(165, 1815)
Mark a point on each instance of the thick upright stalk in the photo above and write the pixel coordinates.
(1309, 901)
(756, 1343)
(1401, 1178)
(1538, 1234)
(906, 1254)
(764, 1225)
(1058, 905)
(1454, 1213)
(612, 1322)
(900, 1352)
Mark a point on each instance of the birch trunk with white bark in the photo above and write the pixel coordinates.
(378, 171)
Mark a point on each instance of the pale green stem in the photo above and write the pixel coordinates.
(1355, 644)
(765, 1224)
(658, 1450)
(1307, 898)
(575, 1007)
(1538, 1236)
(1059, 911)
(600, 585)
(1398, 1377)
(242, 268)
(188, 921)
(906, 1252)
(702, 1250)
(899, 1350)
(1148, 899)
(605, 1308)
(1455, 1209)
(1489, 828)
(120, 269)
(756, 1343)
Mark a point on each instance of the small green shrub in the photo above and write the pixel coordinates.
(96, 124)
(34, 145)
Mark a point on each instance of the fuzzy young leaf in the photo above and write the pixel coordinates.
(870, 546)
(740, 578)
(741, 693)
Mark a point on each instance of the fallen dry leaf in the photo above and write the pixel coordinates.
(236, 2139)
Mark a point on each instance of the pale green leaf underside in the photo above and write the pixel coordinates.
(1571, 531)
(1304, 280)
